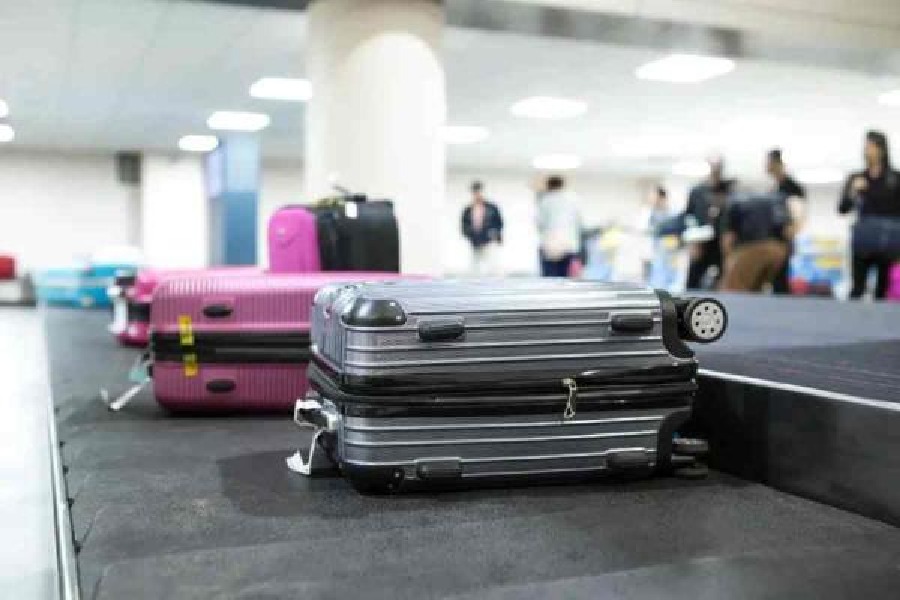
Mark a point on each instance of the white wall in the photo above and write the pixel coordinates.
(281, 184)
(174, 212)
(55, 207)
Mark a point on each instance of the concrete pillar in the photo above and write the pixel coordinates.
(374, 122)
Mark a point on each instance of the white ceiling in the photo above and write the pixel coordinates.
(138, 74)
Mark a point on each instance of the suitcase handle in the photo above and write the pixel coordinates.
(220, 386)
(444, 330)
(217, 311)
(631, 323)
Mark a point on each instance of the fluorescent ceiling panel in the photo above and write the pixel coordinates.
(685, 68)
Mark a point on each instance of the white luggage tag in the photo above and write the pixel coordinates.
(314, 459)
(351, 210)
(138, 376)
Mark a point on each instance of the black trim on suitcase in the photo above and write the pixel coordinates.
(361, 386)
(592, 392)
(138, 312)
(235, 348)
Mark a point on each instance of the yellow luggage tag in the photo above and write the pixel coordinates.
(185, 330)
(190, 365)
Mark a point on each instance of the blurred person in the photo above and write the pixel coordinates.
(482, 225)
(706, 205)
(659, 270)
(875, 194)
(559, 229)
(757, 234)
(787, 185)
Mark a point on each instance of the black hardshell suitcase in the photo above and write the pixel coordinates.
(356, 234)
(448, 381)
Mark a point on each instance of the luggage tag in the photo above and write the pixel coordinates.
(140, 372)
(191, 369)
(138, 377)
(185, 330)
(351, 210)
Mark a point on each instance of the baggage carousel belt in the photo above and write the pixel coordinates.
(170, 507)
(838, 347)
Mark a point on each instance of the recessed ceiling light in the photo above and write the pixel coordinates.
(691, 168)
(229, 120)
(463, 134)
(820, 175)
(685, 68)
(282, 88)
(891, 98)
(198, 143)
(556, 162)
(7, 133)
(548, 107)
(4, 108)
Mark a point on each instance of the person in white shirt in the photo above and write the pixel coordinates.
(559, 228)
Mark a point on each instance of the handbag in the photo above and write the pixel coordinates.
(876, 235)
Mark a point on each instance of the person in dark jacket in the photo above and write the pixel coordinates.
(787, 186)
(706, 205)
(482, 225)
(873, 192)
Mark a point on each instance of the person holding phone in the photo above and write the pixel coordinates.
(874, 194)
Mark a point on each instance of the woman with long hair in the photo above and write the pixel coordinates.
(875, 194)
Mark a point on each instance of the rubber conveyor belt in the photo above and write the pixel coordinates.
(205, 508)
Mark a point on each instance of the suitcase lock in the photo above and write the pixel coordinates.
(572, 399)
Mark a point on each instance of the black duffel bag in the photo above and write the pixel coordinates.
(876, 235)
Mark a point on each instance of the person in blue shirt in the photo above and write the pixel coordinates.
(482, 225)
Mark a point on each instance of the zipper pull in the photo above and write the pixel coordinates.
(571, 401)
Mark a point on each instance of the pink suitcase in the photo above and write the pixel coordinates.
(131, 301)
(228, 344)
(293, 241)
(893, 291)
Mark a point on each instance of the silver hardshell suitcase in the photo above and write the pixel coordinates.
(444, 381)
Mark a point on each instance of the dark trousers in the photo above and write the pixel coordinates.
(556, 268)
(710, 257)
(860, 267)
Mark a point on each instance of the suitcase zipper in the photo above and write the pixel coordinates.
(572, 399)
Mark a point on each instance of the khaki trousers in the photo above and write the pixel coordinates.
(749, 267)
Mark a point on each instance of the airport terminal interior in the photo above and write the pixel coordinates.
(450, 299)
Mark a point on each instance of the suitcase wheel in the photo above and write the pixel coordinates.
(705, 320)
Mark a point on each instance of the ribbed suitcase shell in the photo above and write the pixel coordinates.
(506, 445)
(293, 241)
(140, 295)
(530, 329)
(259, 303)
(263, 387)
